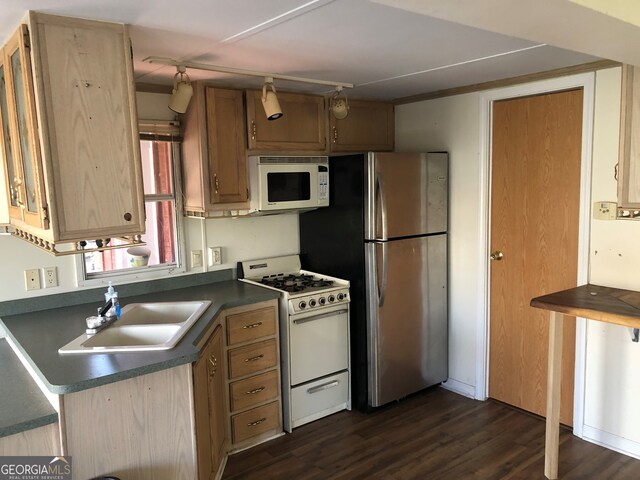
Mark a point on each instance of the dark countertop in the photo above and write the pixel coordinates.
(22, 405)
(39, 335)
(595, 302)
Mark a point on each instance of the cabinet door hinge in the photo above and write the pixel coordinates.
(45, 214)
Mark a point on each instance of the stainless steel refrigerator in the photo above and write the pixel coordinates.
(386, 232)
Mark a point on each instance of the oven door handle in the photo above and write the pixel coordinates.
(319, 316)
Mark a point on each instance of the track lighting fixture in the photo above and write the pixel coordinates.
(339, 103)
(182, 91)
(270, 101)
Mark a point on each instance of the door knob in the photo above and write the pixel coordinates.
(497, 255)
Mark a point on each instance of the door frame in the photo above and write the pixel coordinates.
(586, 81)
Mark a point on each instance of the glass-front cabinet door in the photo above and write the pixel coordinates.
(6, 146)
(21, 145)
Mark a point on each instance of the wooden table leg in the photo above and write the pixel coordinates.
(552, 436)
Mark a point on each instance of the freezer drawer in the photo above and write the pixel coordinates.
(319, 398)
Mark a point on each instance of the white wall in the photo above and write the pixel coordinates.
(244, 238)
(453, 124)
(241, 239)
(612, 383)
(612, 387)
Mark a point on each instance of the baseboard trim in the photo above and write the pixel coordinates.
(459, 387)
(611, 441)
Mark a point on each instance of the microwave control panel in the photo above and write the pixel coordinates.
(323, 183)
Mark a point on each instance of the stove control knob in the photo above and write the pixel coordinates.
(322, 301)
(331, 299)
(302, 305)
(312, 303)
(341, 296)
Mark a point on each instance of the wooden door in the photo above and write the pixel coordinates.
(301, 128)
(535, 184)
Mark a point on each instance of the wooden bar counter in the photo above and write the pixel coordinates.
(605, 304)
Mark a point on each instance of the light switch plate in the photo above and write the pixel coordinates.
(196, 258)
(605, 210)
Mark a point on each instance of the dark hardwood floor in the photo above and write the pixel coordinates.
(432, 435)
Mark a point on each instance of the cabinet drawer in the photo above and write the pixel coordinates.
(252, 358)
(255, 421)
(244, 327)
(254, 390)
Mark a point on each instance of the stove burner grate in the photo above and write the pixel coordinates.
(295, 283)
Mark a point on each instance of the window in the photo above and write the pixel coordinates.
(160, 158)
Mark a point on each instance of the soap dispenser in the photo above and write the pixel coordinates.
(112, 295)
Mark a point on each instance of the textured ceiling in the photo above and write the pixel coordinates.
(389, 49)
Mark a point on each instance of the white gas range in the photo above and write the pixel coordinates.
(314, 337)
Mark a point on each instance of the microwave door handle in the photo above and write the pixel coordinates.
(381, 206)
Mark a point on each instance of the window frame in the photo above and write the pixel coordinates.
(149, 272)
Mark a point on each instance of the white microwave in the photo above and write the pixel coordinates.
(280, 184)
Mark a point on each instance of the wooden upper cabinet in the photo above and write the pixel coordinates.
(214, 161)
(629, 153)
(369, 126)
(226, 140)
(20, 143)
(301, 128)
(73, 130)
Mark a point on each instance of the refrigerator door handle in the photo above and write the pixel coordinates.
(381, 206)
(383, 288)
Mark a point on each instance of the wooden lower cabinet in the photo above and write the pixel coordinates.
(42, 441)
(180, 423)
(210, 406)
(140, 427)
(253, 354)
(255, 422)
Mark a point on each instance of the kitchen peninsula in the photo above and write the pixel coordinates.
(605, 304)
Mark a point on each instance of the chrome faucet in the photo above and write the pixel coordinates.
(104, 318)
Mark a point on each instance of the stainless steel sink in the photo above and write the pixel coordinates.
(142, 327)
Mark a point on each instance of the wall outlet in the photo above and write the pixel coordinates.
(50, 275)
(196, 258)
(32, 279)
(215, 256)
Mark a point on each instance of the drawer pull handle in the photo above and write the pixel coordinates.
(324, 386)
(254, 391)
(257, 422)
(253, 359)
(253, 325)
